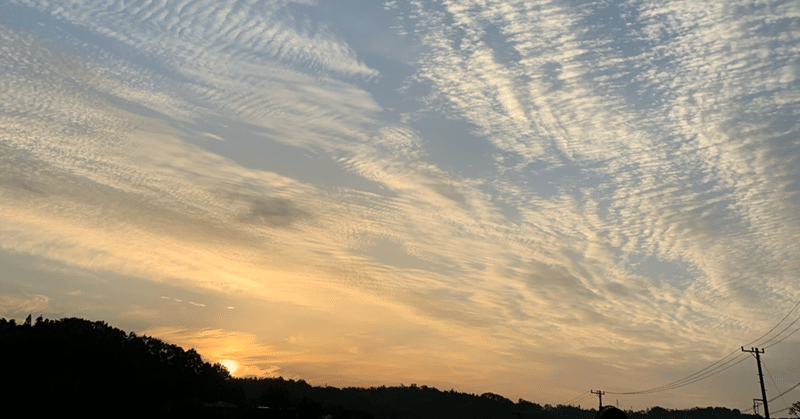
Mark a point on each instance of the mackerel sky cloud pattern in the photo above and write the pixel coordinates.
(531, 198)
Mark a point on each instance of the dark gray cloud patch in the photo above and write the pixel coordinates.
(24, 186)
(549, 278)
(274, 212)
(619, 289)
(450, 192)
(19, 174)
(247, 144)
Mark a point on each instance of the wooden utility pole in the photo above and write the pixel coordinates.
(600, 395)
(757, 351)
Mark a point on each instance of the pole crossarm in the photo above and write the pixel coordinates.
(600, 395)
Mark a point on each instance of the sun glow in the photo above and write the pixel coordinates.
(231, 365)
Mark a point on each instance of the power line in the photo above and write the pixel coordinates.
(776, 398)
(774, 384)
(581, 401)
(790, 389)
(785, 337)
(776, 326)
(782, 330)
(710, 374)
(704, 373)
(689, 377)
(782, 410)
(585, 398)
(711, 370)
(578, 399)
(574, 399)
(722, 365)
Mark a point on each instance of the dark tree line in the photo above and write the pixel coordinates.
(423, 402)
(79, 365)
(69, 365)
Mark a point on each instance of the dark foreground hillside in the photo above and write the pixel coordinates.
(76, 365)
(56, 367)
(422, 402)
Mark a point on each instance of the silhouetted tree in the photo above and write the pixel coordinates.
(496, 397)
(84, 365)
(794, 409)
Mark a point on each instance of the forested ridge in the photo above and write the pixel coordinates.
(423, 402)
(79, 365)
(56, 366)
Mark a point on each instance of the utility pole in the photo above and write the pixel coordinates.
(756, 403)
(600, 395)
(756, 351)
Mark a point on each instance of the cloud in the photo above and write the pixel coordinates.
(22, 305)
(216, 345)
(274, 212)
(263, 68)
(194, 192)
(638, 174)
(576, 104)
(209, 32)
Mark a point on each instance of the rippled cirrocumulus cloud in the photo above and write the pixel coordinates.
(529, 198)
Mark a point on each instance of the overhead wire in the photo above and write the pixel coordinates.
(776, 398)
(785, 337)
(581, 400)
(692, 378)
(776, 326)
(788, 390)
(782, 410)
(773, 344)
(722, 365)
(782, 330)
(774, 385)
(575, 398)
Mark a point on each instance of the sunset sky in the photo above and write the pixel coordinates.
(530, 198)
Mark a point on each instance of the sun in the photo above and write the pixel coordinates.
(231, 365)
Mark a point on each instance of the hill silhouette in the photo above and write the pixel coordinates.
(423, 402)
(55, 367)
(79, 365)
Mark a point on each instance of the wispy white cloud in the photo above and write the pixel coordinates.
(641, 176)
(690, 191)
(593, 119)
(210, 33)
(251, 61)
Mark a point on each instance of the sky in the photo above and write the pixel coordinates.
(532, 198)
